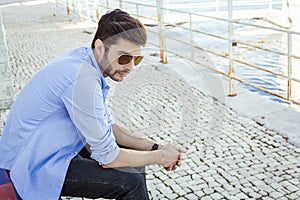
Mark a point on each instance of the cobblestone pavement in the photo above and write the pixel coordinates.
(229, 157)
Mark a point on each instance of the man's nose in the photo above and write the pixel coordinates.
(130, 65)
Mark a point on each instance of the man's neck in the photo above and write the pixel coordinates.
(96, 58)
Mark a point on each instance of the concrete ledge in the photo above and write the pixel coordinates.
(6, 89)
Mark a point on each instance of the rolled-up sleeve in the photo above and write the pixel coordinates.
(85, 103)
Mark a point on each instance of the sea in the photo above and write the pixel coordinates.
(270, 13)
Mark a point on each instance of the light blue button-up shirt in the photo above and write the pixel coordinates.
(62, 108)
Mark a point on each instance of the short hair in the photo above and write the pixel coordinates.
(119, 24)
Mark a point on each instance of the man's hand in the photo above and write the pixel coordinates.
(173, 154)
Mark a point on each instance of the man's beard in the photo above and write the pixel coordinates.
(108, 70)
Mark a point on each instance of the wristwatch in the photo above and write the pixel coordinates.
(154, 147)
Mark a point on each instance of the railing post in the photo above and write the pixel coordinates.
(167, 11)
(191, 37)
(230, 49)
(270, 6)
(87, 9)
(107, 5)
(121, 4)
(68, 7)
(80, 11)
(137, 10)
(73, 6)
(161, 29)
(96, 10)
(290, 70)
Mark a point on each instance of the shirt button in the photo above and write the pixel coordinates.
(60, 181)
(75, 152)
(67, 160)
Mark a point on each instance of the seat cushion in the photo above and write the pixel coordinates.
(7, 191)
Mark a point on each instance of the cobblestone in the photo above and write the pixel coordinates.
(228, 155)
(232, 197)
(206, 198)
(255, 195)
(267, 198)
(6, 90)
(217, 196)
(241, 196)
(276, 195)
(282, 198)
(208, 191)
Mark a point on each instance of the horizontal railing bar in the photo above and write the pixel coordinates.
(234, 21)
(142, 4)
(217, 18)
(212, 17)
(196, 31)
(223, 38)
(238, 41)
(236, 60)
(237, 79)
(143, 16)
(266, 91)
(210, 34)
(262, 48)
(260, 68)
(295, 79)
(146, 17)
(222, 4)
(206, 66)
(199, 15)
(265, 70)
(266, 27)
(200, 48)
(192, 45)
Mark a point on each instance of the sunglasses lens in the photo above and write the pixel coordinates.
(137, 60)
(125, 59)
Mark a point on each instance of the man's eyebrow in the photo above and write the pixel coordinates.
(123, 52)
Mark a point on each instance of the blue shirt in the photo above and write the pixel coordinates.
(62, 108)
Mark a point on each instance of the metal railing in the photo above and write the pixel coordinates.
(93, 8)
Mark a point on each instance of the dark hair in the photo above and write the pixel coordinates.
(119, 24)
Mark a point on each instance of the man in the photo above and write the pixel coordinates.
(63, 108)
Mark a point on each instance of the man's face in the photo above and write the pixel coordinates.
(111, 63)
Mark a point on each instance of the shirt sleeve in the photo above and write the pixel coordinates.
(110, 118)
(87, 109)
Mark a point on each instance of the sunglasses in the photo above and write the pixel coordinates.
(125, 59)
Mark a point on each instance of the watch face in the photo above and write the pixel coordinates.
(154, 147)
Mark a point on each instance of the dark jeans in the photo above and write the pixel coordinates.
(86, 178)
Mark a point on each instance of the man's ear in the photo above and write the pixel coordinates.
(99, 47)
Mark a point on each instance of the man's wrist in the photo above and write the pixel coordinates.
(162, 158)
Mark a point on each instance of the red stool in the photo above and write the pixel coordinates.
(7, 191)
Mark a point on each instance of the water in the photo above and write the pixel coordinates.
(268, 39)
(210, 5)
(246, 11)
(267, 60)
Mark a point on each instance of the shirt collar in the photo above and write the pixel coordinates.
(93, 59)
